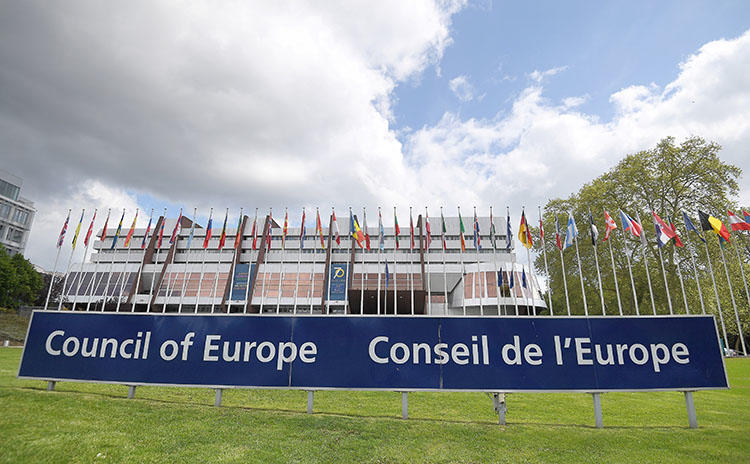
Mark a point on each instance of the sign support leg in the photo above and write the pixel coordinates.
(692, 418)
(404, 405)
(51, 385)
(131, 392)
(310, 399)
(598, 410)
(217, 397)
(498, 401)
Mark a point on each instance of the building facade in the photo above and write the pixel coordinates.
(268, 272)
(16, 214)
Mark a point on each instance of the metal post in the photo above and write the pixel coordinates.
(6, 343)
(498, 401)
(310, 399)
(598, 410)
(131, 392)
(692, 418)
(217, 397)
(51, 385)
(404, 405)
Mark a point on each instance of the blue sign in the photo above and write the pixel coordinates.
(338, 282)
(242, 274)
(378, 352)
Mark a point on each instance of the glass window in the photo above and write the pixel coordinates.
(9, 190)
(21, 216)
(15, 235)
(4, 210)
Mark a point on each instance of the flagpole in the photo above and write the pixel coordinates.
(580, 271)
(232, 265)
(644, 242)
(546, 267)
(203, 259)
(67, 272)
(411, 259)
(218, 261)
(315, 252)
(494, 262)
(679, 271)
(380, 252)
(54, 268)
(716, 291)
(664, 273)
(479, 270)
(532, 277)
(362, 271)
(513, 289)
(90, 287)
(630, 268)
(80, 273)
(94, 282)
(187, 253)
(140, 266)
(443, 246)
(461, 257)
(614, 273)
(427, 239)
(596, 260)
(395, 240)
(512, 259)
(127, 261)
(299, 260)
(734, 304)
(695, 270)
(111, 268)
(742, 272)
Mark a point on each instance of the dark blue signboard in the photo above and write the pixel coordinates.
(242, 274)
(392, 353)
(339, 273)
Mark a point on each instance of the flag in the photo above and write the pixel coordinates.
(477, 236)
(461, 231)
(524, 234)
(176, 228)
(427, 227)
(523, 278)
(512, 280)
(711, 223)
(91, 229)
(500, 278)
(254, 232)
(192, 230)
(662, 238)
(747, 216)
(663, 226)
(690, 227)
(355, 231)
(509, 232)
(223, 236)
(336, 225)
(630, 224)
(104, 229)
(161, 229)
(269, 231)
(676, 240)
(78, 229)
(572, 231)
(209, 228)
(117, 232)
(148, 229)
(131, 230)
(387, 275)
(594, 231)
(302, 231)
(558, 238)
(381, 232)
(736, 223)
(238, 237)
(61, 238)
(493, 232)
(364, 229)
(443, 230)
(609, 225)
(396, 228)
(319, 229)
(411, 229)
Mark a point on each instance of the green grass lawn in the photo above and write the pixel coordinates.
(78, 422)
(12, 327)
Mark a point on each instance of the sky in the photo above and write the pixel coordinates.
(160, 104)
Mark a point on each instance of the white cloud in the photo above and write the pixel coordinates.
(539, 76)
(462, 88)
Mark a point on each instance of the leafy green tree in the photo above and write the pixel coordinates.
(19, 282)
(668, 180)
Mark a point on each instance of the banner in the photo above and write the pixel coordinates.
(389, 353)
(242, 272)
(339, 274)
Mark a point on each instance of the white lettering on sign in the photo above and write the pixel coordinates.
(284, 353)
(422, 353)
(130, 348)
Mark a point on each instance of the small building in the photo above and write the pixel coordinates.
(16, 214)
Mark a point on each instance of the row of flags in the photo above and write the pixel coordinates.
(665, 230)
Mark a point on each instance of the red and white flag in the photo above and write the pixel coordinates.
(61, 238)
(736, 222)
(663, 226)
(88, 232)
(609, 225)
(336, 225)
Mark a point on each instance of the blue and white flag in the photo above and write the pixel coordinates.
(381, 235)
(387, 275)
(512, 280)
(509, 232)
(572, 231)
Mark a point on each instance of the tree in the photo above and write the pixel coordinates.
(667, 179)
(19, 281)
